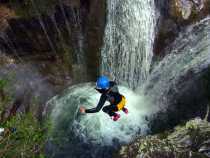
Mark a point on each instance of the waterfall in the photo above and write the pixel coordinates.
(128, 42)
(95, 131)
(96, 135)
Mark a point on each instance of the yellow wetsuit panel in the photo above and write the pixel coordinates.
(121, 103)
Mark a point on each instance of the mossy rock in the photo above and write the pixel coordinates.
(24, 137)
(183, 142)
(188, 11)
(33, 8)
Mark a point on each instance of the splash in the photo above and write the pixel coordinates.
(189, 54)
(98, 128)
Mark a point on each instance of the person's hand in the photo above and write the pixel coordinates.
(82, 110)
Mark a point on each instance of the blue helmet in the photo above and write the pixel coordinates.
(102, 82)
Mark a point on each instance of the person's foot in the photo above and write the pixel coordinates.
(125, 110)
(116, 117)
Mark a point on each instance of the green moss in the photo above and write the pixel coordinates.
(3, 83)
(25, 137)
(4, 98)
(68, 58)
(65, 54)
(198, 155)
(163, 135)
(179, 143)
(32, 8)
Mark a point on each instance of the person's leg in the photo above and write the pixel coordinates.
(125, 110)
(110, 110)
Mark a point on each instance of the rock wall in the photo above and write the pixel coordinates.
(175, 15)
(191, 140)
(46, 46)
(53, 35)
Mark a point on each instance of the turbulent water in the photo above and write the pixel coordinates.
(128, 41)
(127, 58)
(96, 135)
(97, 129)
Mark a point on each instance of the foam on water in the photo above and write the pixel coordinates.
(98, 127)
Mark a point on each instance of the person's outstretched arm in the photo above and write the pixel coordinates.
(99, 106)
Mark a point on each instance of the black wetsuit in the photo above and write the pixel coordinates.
(114, 97)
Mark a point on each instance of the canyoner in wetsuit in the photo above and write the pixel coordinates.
(109, 92)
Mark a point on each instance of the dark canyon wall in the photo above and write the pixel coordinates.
(61, 38)
(175, 16)
(48, 45)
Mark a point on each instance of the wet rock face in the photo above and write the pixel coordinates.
(46, 52)
(175, 15)
(70, 35)
(5, 13)
(188, 141)
(188, 9)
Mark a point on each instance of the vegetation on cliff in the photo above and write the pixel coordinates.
(23, 136)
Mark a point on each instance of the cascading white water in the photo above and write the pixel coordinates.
(99, 127)
(126, 57)
(128, 42)
(189, 53)
(96, 130)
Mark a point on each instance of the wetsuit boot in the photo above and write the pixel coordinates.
(125, 110)
(116, 117)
